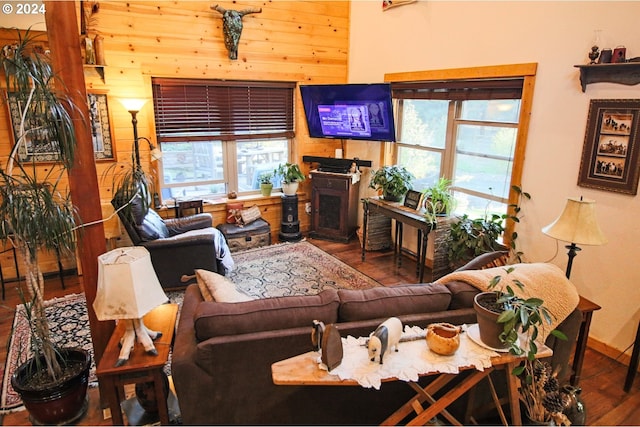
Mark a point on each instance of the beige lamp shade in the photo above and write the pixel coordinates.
(133, 104)
(577, 224)
(128, 287)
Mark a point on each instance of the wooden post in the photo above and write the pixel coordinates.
(64, 43)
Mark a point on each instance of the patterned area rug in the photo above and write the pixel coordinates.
(68, 321)
(293, 269)
(277, 270)
(69, 324)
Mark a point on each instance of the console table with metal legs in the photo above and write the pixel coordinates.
(402, 215)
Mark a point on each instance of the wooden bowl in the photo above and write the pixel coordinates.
(443, 338)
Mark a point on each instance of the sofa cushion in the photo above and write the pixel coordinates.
(215, 287)
(462, 294)
(382, 302)
(217, 319)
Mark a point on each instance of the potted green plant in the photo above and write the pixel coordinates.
(36, 213)
(438, 199)
(470, 237)
(502, 316)
(291, 176)
(393, 181)
(265, 183)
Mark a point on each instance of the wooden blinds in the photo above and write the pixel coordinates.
(459, 89)
(192, 110)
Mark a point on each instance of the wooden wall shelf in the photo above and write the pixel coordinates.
(627, 73)
(99, 69)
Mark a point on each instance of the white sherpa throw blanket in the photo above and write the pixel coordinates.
(541, 280)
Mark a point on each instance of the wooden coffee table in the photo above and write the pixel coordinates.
(304, 370)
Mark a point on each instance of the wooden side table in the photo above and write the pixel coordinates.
(181, 207)
(587, 308)
(141, 367)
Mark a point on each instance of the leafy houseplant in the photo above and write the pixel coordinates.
(470, 237)
(289, 172)
(394, 182)
(438, 199)
(291, 176)
(265, 183)
(36, 213)
(502, 315)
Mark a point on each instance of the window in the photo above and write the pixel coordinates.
(467, 125)
(218, 136)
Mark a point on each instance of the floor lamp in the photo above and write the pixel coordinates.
(576, 224)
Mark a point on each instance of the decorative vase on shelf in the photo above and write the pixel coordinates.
(89, 51)
(98, 46)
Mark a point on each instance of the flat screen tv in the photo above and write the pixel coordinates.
(349, 111)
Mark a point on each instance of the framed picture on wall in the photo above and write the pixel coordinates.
(100, 121)
(610, 152)
(38, 148)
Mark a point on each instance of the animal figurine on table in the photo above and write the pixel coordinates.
(384, 338)
(232, 27)
(317, 331)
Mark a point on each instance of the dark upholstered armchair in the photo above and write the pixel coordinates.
(177, 246)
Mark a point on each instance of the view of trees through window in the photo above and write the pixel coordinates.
(470, 142)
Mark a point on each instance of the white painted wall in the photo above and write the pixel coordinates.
(557, 35)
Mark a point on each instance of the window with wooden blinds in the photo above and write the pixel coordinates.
(192, 110)
(459, 90)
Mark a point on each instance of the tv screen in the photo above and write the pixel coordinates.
(349, 111)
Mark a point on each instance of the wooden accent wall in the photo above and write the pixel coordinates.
(302, 41)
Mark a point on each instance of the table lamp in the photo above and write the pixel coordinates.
(576, 224)
(128, 288)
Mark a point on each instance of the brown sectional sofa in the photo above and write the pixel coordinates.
(222, 356)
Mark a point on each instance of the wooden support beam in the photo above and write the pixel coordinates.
(64, 43)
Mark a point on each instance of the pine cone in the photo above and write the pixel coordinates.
(541, 370)
(552, 384)
(554, 402)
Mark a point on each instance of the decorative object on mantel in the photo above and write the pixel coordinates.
(595, 53)
(388, 4)
(619, 55)
(232, 26)
(576, 224)
(610, 153)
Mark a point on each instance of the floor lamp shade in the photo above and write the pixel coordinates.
(577, 224)
(128, 287)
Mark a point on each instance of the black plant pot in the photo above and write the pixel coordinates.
(488, 324)
(59, 404)
(391, 197)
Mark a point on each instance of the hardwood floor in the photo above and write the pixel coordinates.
(601, 383)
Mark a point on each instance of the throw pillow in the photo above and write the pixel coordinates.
(215, 287)
(251, 214)
(233, 212)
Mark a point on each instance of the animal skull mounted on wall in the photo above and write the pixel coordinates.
(232, 26)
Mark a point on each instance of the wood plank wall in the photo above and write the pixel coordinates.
(302, 41)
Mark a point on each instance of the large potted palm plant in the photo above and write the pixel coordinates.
(36, 215)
